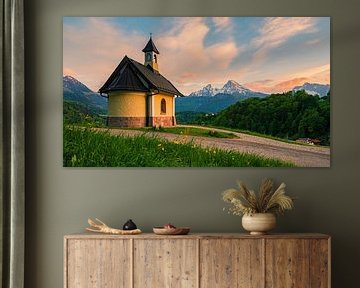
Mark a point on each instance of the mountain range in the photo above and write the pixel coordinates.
(212, 100)
(313, 88)
(230, 87)
(208, 99)
(77, 92)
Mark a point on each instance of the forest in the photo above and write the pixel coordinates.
(290, 115)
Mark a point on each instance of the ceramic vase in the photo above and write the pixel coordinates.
(259, 223)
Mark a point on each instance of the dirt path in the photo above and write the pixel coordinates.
(300, 155)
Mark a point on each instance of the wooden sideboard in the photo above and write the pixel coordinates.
(197, 260)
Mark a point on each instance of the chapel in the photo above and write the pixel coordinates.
(138, 95)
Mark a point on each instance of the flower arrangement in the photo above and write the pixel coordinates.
(246, 202)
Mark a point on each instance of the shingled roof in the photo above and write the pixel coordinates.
(150, 46)
(130, 75)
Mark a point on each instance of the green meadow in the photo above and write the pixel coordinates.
(84, 147)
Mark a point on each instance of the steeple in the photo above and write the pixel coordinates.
(150, 51)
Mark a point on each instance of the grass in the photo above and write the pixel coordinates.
(87, 148)
(191, 131)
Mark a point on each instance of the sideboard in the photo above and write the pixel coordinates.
(197, 260)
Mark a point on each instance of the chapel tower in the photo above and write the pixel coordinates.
(151, 55)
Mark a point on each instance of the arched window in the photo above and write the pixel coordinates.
(163, 106)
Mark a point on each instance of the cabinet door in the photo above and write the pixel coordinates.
(231, 263)
(98, 263)
(287, 263)
(166, 263)
(320, 263)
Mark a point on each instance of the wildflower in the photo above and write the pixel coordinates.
(73, 159)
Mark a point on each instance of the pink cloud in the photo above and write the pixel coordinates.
(69, 72)
(277, 30)
(222, 23)
(276, 87)
(186, 57)
(93, 50)
(318, 74)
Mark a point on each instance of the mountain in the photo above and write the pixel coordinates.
(75, 91)
(207, 91)
(314, 88)
(212, 100)
(230, 87)
(75, 85)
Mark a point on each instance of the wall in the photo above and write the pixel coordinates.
(59, 200)
(127, 104)
(169, 104)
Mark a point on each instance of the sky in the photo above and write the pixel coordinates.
(265, 54)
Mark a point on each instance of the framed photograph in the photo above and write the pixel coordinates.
(196, 91)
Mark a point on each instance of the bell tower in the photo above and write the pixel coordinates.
(151, 55)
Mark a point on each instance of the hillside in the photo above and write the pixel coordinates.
(211, 104)
(77, 92)
(78, 113)
(288, 115)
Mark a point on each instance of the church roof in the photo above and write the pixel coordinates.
(150, 46)
(130, 75)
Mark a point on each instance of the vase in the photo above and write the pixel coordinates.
(259, 223)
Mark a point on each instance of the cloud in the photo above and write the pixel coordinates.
(313, 42)
(317, 74)
(93, 48)
(222, 23)
(315, 71)
(70, 72)
(271, 86)
(276, 31)
(187, 58)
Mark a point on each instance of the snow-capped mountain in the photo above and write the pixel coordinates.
(75, 91)
(207, 91)
(231, 87)
(314, 88)
(73, 84)
(212, 100)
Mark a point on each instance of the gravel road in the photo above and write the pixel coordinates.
(300, 155)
